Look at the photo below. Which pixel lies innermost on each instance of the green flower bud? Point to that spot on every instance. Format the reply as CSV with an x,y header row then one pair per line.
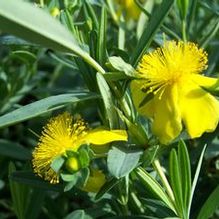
x,y
72,164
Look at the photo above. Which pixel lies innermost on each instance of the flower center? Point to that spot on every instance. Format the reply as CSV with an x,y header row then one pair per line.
x,y
172,64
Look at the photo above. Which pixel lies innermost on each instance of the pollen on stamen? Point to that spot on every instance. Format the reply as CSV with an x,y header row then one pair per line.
x,y
171,64
60,134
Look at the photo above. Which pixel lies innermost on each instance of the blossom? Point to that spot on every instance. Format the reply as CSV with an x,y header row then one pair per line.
x,y
172,91
130,8
64,133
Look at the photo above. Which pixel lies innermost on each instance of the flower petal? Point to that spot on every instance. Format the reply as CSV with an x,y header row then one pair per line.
x,y
100,136
138,96
204,81
167,119
200,110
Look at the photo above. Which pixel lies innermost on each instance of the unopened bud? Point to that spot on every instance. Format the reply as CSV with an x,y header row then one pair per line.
x,y
72,164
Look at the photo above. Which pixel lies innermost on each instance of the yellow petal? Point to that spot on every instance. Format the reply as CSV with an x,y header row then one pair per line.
x,y
200,110
204,81
138,96
95,181
167,119
100,136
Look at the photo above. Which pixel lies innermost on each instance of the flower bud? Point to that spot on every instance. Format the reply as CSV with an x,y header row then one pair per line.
x,y
72,164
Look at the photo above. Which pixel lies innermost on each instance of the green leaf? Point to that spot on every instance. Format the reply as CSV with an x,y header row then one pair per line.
x,y
151,184
183,7
154,23
210,34
149,155
195,180
70,184
121,162
175,180
15,19
83,157
118,64
106,187
157,207
92,14
136,131
57,163
14,41
101,46
14,150
105,91
68,177
27,177
115,76
19,193
210,206
185,170
83,176
24,56
133,217
78,214
191,15
43,106
36,203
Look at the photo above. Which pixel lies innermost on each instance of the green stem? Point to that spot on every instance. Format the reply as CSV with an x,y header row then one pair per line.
x,y
170,32
184,30
41,3
158,168
121,35
136,202
87,58
94,64
112,11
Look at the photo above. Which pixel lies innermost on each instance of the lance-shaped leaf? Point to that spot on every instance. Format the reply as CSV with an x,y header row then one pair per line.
x,y
43,106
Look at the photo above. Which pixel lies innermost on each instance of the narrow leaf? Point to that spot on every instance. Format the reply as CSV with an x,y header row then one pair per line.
x,y
25,20
147,36
175,179
185,170
14,150
108,101
151,184
15,19
101,50
195,180
106,187
19,193
210,206
43,106
35,204
27,177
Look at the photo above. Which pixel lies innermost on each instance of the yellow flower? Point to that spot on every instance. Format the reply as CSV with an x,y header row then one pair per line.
x,y
63,134
171,81
130,8
95,181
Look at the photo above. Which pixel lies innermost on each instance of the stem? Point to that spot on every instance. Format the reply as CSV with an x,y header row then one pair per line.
x,y
42,3
163,178
87,58
136,202
184,30
112,11
121,35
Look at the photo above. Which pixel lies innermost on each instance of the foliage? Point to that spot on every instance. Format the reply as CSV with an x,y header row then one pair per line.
x,y
81,56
